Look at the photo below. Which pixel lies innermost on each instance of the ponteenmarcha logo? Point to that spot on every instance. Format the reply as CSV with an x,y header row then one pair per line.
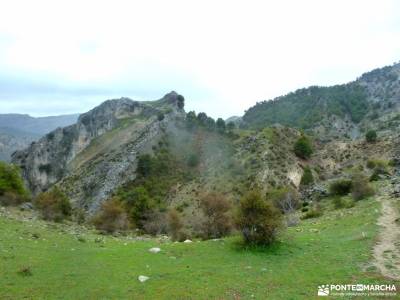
x,y
357,289
323,290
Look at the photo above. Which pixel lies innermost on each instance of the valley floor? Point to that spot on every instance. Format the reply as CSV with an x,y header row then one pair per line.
x,y
69,262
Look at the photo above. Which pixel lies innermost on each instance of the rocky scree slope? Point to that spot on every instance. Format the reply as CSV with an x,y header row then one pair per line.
x,y
93,157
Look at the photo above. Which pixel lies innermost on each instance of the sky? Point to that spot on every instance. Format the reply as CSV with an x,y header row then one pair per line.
x,y
61,57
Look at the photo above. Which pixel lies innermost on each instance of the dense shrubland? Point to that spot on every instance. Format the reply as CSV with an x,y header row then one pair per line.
x,y
306,107
358,185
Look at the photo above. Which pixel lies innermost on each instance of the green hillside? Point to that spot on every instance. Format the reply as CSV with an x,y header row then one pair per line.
x,y
306,107
58,261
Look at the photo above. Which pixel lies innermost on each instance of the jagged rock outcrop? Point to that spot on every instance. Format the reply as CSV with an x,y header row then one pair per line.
x,y
93,157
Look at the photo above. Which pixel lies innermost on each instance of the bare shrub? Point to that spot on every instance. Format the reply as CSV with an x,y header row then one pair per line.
x,y
287,200
156,223
217,221
175,225
314,212
361,188
53,205
112,217
11,199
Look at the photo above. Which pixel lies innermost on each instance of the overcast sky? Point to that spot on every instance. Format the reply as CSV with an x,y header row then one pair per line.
x,y
59,57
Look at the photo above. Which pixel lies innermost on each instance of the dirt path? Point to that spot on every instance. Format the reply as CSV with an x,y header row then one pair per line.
x,y
387,250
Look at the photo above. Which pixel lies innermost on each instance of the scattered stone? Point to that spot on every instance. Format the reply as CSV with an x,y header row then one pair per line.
x,y
143,278
26,206
188,241
154,250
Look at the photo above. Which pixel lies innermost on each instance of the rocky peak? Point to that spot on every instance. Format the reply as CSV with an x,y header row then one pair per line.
x,y
110,126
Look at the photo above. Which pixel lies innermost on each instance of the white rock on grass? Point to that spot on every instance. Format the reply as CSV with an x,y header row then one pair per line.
x,y
143,278
155,250
188,241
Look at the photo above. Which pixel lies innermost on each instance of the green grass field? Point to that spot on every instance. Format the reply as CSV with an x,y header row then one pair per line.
x,y
330,249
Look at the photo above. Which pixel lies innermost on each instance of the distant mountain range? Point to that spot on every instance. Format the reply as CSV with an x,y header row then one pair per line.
x,y
17,131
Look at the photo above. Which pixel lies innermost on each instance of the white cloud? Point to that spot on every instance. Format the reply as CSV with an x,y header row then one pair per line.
x,y
222,55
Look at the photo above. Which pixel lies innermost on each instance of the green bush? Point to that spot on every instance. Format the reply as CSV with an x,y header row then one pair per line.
x,y
315,212
53,205
11,181
258,220
338,202
377,163
193,160
160,116
139,203
145,165
307,177
340,187
303,148
371,136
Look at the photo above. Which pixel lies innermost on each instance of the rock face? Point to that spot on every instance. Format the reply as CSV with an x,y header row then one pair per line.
x,y
93,157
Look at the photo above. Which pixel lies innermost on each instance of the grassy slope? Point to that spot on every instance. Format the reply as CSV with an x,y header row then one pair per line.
x,y
320,251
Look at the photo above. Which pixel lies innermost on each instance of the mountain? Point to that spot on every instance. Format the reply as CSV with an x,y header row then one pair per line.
x,y
38,126
95,156
104,153
18,131
333,111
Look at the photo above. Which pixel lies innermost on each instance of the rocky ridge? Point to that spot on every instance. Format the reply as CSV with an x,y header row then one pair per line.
x,y
98,153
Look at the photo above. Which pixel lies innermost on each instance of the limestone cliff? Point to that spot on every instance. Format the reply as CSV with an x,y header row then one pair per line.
x,y
93,157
